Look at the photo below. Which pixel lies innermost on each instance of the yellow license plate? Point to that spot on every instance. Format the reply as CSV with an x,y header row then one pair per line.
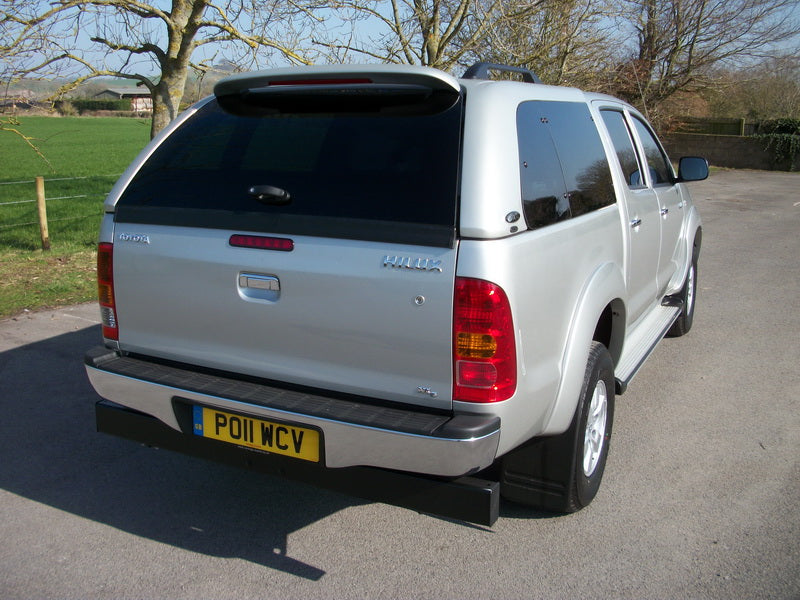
x,y
278,438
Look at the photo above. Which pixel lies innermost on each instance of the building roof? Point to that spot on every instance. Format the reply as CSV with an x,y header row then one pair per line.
x,y
125,92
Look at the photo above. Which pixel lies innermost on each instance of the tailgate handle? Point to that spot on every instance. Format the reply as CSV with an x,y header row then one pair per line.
x,y
259,282
254,287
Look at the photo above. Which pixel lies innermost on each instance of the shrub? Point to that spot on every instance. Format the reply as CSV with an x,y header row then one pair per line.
x,y
780,127
82,106
65,108
782,136
94,105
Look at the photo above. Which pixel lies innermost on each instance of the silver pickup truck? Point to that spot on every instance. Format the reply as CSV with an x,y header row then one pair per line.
x,y
385,280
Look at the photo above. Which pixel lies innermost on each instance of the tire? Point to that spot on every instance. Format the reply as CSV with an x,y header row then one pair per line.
x,y
688,295
594,418
563,473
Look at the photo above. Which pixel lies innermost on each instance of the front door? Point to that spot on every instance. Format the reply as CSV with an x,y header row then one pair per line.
x,y
643,218
670,203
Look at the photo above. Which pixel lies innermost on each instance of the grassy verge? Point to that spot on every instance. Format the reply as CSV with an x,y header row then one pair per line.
x,y
84,157
37,280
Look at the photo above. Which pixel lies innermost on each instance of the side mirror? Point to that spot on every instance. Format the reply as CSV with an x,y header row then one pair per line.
x,y
692,168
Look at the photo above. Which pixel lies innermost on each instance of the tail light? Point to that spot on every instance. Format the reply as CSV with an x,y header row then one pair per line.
x,y
484,351
105,290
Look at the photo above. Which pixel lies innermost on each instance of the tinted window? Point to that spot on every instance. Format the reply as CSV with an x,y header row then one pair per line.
x,y
657,163
543,188
623,146
563,167
382,177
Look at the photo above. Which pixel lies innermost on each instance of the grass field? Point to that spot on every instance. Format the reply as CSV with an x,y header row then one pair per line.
x,y
85,155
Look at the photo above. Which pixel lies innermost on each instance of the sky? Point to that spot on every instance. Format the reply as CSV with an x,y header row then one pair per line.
x,y
78,35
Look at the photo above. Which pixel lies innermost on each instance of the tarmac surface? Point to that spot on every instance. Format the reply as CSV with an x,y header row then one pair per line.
x,y
701,495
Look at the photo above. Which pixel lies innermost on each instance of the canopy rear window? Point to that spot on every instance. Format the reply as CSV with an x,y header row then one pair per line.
x,y
378,175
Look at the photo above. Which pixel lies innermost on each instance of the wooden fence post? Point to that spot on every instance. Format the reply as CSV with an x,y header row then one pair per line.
x,y
40,202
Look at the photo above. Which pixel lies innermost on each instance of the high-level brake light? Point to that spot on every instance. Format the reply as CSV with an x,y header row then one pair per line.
x,y
261,242
345,81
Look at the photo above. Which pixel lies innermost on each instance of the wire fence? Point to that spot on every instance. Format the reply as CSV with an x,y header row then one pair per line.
x,y
20,197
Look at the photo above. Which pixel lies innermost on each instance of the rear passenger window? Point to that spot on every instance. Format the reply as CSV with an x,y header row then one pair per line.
x,y
623,146
563,168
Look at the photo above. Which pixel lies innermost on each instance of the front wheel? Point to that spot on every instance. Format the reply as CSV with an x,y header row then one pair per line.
x,y
689,296
562,473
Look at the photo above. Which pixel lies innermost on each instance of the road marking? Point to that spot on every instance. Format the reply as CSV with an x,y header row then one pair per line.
x,y
94,321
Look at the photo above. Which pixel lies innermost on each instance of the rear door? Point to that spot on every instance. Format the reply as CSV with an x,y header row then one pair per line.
x,y
305,236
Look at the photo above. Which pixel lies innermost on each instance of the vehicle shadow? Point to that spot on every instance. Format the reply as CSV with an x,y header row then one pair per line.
x,y
52,454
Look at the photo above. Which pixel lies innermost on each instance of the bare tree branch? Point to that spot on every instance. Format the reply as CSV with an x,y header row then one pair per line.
x,y
122,30
682,42
11,125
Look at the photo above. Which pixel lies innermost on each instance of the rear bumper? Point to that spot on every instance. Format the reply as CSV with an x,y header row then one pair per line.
x,y
466,498
355,434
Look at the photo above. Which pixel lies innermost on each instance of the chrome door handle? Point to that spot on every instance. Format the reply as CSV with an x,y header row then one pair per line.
x,y
635,223
664,212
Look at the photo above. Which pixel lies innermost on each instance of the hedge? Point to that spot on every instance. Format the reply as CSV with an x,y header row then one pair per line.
x,y
83,106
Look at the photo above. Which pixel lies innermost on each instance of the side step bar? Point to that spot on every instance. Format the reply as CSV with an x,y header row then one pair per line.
x,y
466,499
644,340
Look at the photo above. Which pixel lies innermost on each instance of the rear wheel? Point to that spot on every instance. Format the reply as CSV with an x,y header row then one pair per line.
x,y
563,473
596,412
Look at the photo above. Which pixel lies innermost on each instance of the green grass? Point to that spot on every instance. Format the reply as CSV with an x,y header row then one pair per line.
x,y
74,146
85,155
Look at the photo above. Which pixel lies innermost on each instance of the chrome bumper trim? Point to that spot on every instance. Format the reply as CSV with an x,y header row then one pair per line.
x,y
346,444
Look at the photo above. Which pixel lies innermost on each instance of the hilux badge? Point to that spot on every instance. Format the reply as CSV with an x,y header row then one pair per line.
x,y
408,262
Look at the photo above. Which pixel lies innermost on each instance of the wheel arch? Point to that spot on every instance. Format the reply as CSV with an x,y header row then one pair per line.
x,y
693,241
610,329
697,241
599,315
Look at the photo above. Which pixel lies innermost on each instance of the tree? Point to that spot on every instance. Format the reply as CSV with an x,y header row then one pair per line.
x,y
149,43
9,124
680,43
563,41
434,33
766,90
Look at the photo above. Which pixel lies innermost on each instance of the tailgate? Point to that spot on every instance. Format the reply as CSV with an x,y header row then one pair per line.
x,y
301,230
354,316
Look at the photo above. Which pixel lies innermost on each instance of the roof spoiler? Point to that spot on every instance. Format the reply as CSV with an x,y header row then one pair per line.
x,y
390,75
339,89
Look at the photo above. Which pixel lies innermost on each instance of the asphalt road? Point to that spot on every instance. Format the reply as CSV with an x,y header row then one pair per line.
x,y
701,496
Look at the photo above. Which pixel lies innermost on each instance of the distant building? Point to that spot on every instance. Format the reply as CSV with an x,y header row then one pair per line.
x,y
140,100
21,99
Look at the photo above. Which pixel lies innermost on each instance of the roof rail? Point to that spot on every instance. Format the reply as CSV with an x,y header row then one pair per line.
x,y
480,70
